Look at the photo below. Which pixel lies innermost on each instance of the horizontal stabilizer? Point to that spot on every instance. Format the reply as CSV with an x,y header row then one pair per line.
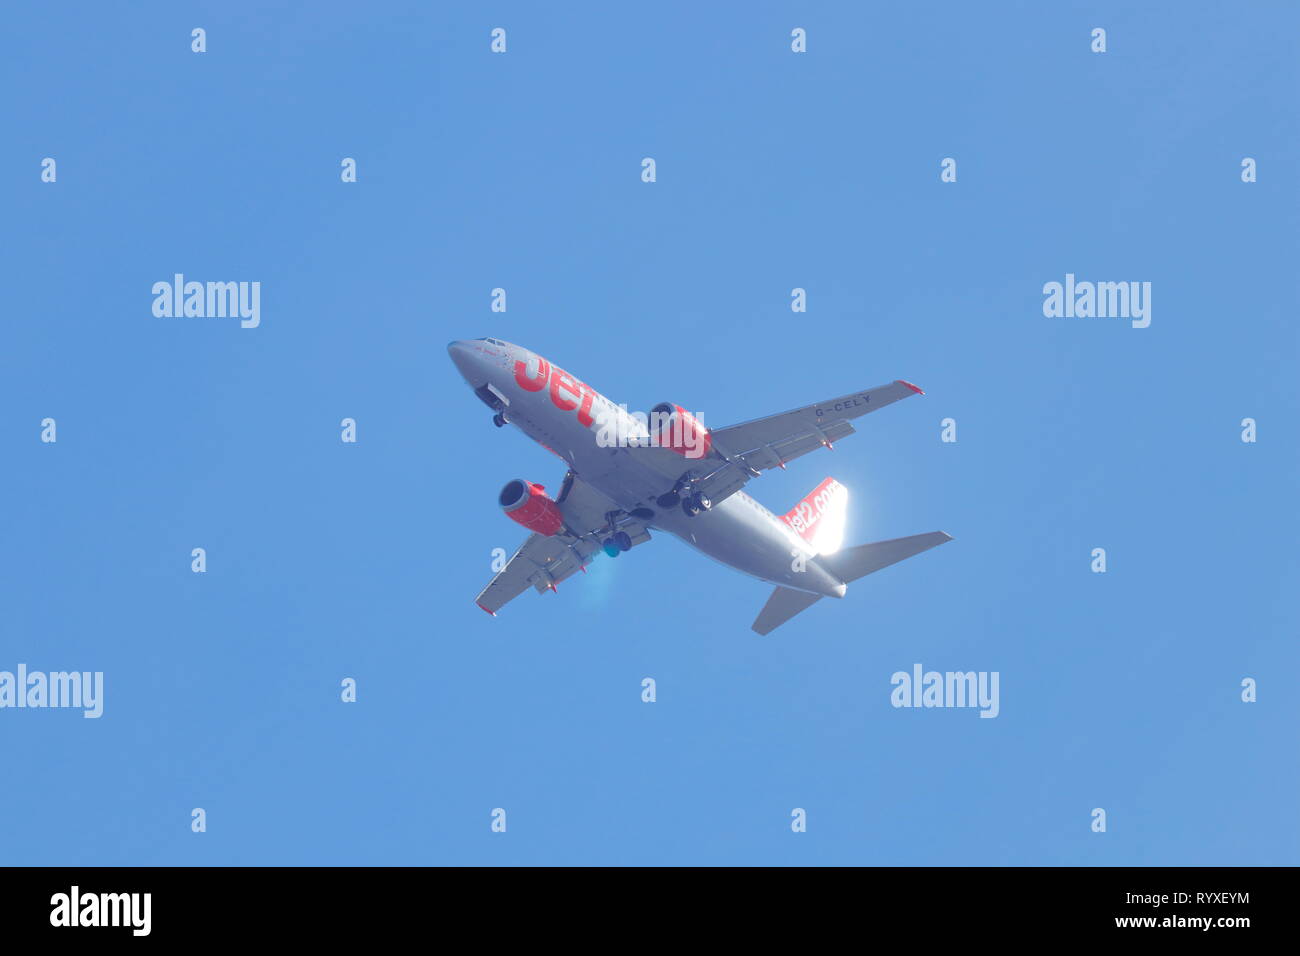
x,y
784,604
853,563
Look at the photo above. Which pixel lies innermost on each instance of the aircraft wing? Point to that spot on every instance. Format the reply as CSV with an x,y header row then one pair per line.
x,y
768,442
542,562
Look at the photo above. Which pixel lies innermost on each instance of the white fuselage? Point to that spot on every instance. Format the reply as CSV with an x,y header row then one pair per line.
x,y
566,416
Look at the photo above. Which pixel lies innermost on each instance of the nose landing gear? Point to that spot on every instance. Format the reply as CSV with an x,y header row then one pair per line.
x,y
499,420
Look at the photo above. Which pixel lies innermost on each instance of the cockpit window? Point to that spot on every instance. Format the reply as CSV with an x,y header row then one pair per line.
x,y
492,341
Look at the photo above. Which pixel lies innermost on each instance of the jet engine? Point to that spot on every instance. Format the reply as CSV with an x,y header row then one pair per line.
x,y
529,505
674,427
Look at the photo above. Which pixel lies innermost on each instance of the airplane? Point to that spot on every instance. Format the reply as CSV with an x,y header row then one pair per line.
x,y
629,474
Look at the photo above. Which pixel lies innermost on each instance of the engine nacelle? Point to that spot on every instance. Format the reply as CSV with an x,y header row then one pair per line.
x,y
529,505
674,427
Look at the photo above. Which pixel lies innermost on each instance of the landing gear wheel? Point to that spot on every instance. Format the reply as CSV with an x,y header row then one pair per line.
x,y
622,541
499,420
611,548
696,504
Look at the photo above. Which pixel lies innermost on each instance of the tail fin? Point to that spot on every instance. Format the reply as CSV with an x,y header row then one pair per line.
x,y
819,518
784,604
853,563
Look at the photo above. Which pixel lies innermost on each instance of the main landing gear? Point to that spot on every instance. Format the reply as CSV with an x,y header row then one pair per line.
x,y
696,504
693,503
617,543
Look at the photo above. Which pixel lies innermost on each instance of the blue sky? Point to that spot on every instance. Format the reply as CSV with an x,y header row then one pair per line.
x,y
775,170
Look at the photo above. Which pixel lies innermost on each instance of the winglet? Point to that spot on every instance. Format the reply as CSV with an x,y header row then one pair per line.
x,y
909,385
493,613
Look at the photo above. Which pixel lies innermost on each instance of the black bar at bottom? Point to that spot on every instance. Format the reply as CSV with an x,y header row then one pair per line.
x,y
376,904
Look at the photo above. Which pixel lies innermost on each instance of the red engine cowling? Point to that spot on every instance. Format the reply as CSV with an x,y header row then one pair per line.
x,y
529,505
676,428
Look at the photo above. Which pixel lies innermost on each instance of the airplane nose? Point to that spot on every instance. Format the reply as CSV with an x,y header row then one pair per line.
x,y
462,356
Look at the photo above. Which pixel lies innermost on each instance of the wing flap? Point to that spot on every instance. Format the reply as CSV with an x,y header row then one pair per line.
x,y
776,454
772,441
540,563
